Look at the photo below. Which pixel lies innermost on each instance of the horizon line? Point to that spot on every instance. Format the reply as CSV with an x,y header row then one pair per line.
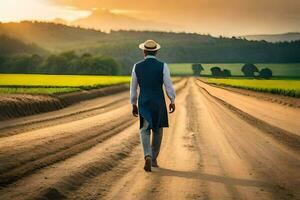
x,y
146,30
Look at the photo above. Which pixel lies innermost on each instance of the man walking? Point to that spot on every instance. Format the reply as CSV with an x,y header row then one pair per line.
x,y
149,75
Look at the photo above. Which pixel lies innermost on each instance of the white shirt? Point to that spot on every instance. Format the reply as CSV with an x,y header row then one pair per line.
x,y
167,83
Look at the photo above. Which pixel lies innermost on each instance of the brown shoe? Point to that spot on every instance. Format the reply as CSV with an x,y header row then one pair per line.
x,y
147,166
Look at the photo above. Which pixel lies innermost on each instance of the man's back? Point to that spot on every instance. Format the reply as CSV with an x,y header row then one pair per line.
x,y
149,74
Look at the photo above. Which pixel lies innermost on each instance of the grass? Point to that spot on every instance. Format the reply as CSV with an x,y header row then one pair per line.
x,y
279,70
60,80
283,87
53,84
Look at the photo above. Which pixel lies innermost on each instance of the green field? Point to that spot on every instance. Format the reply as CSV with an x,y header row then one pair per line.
x,y
53,84
279,70
283,87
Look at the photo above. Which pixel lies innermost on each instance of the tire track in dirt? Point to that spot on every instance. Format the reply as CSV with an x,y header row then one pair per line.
x,y
218,154
273,98
56,181
283,136
99,187
268,112
126,173
36,149
30,163
231,166
178,161
13,129
212,178
75,112
187,159
203,157
75,150
268,165
20,105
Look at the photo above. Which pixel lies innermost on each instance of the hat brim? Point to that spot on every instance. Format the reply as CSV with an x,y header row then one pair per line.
x,y
142,46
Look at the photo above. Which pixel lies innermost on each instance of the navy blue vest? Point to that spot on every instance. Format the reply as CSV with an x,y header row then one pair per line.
x,y
151,102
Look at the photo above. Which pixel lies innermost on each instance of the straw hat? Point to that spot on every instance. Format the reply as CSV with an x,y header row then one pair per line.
x,y
149,45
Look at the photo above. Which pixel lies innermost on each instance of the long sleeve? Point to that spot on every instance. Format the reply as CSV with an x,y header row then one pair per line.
x,y
133,87
168,84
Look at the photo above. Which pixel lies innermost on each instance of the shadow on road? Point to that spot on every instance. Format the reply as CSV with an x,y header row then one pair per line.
x,y
210,177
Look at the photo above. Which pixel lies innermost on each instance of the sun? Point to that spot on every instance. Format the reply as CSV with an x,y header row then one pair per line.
x,y
16,10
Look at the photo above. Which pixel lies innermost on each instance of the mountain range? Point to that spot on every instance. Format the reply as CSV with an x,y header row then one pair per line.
x,y
106,20
275,37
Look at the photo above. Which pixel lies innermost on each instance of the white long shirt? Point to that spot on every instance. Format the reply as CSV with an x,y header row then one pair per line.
x,y
166,79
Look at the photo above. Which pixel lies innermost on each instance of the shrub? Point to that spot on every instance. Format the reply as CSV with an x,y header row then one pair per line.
x,y
197,68
249,70
266,73
216,71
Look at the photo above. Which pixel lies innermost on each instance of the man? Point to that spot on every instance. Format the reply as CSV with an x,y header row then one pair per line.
x,y
149,75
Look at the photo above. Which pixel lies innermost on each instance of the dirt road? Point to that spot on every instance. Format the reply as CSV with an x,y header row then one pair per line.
x,y
92,151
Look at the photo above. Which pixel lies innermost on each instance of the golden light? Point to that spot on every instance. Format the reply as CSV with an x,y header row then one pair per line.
x,y
16,10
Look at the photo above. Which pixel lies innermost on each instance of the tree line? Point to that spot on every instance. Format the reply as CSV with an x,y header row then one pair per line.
x,y
187,48
249,70
123,45
43,38
63,63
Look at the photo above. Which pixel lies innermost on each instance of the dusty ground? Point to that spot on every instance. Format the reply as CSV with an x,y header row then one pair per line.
x,y
92,151
20,105
275,98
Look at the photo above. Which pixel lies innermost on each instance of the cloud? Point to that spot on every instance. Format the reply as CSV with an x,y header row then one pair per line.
x,y
15,10
106,20
207,16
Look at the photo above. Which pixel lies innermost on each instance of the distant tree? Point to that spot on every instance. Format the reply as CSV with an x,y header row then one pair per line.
x,y
266,73
197,68
86,55
98,65
216,71
56,64
64,63
249,70
114,68
2,60
36,61
226,73
3,68
21,64
70,55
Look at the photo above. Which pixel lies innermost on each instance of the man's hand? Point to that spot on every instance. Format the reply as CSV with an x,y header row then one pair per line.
x,y
135,111
172,107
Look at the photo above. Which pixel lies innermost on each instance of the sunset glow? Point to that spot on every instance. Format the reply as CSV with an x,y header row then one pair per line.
x,y
15,10
216,17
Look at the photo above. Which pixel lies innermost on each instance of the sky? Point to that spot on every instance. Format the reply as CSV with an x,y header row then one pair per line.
x,y
215,17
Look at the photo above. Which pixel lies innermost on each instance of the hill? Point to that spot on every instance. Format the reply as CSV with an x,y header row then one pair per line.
x,y
105,20
54,37
275,37
176,47
10,46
